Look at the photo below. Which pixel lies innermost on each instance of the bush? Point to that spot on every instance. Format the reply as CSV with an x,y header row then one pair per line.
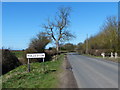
x,y
68,47
9,61
37,45
118,51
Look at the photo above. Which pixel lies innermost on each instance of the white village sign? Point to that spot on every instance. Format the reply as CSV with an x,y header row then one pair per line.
x,y
34,55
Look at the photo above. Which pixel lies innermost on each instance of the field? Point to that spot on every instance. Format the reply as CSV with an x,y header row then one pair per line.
x,y
40,76
18,54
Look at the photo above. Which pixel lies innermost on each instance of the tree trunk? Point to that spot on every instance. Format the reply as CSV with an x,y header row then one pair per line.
x,y
57,48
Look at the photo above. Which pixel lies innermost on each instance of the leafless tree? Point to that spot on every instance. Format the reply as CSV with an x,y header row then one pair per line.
x,y
58,27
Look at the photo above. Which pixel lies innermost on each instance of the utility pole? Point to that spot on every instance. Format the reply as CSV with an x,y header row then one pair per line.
x,y
118,29
87,45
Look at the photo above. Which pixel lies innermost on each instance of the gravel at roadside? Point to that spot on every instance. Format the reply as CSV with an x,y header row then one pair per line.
x,y
67,79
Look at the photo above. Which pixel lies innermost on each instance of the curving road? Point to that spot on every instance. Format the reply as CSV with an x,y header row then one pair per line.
x,y
92,72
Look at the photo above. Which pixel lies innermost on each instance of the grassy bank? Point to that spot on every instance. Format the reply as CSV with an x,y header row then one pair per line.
x,y
106,58
37,78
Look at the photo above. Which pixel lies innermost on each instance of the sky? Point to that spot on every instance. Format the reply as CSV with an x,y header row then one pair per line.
x,y
21,21
60,0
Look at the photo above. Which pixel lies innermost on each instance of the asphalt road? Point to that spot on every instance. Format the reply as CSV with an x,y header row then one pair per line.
x,y
93,73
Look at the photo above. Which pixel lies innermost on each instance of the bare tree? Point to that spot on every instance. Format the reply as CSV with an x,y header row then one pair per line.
x,y
58,27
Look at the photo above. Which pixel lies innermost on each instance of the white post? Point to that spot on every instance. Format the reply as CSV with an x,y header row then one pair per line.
x,y
28,65
115,55
103,54
111,55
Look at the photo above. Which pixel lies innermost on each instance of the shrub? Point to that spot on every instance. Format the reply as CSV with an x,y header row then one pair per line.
x,y
9,61
37,45
51,52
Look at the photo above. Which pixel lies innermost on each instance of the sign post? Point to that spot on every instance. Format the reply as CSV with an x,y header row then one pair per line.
x,y
43,65
28,65
34,55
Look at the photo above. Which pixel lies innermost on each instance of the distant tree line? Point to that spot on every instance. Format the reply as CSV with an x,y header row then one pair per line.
x,y
107,40
68,47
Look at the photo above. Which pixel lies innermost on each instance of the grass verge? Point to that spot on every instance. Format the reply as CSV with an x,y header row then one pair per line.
x,y
36,78
106,58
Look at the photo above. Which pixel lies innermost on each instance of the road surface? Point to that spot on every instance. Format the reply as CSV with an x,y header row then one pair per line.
x,y
92,72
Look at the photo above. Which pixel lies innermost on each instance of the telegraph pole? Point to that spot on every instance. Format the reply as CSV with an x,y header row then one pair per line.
x,y
87,45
